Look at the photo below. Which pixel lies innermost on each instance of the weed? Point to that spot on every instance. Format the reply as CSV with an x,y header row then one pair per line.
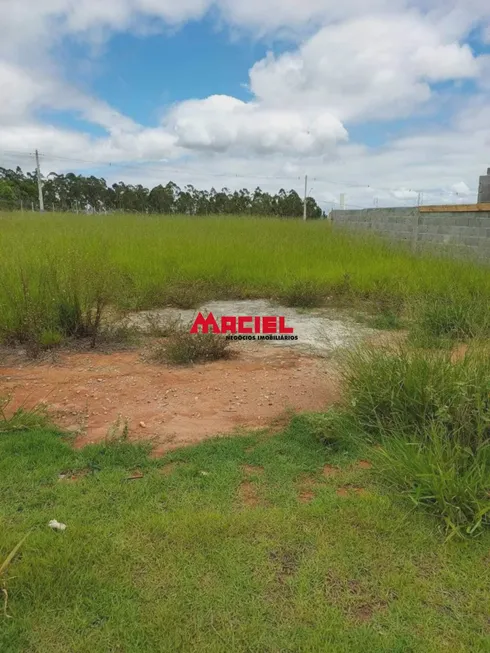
x,y
432,416
50,339
303,294
409,390
440,474
185,295
3,568
23,419
454,317
334,428
386,321
185,348
118,333
159,327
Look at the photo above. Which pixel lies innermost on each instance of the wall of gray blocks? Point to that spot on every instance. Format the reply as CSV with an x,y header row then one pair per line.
x,y
458,232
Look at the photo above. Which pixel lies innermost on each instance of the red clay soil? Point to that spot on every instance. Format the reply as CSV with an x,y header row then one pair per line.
x,y
172,407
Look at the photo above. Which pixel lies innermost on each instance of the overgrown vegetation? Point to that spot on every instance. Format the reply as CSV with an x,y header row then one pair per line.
x,y
45,300
431,416
252,543
60,273
444,319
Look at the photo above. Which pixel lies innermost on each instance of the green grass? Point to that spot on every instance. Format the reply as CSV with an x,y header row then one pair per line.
x,y
431,414
459,316
56,270
178,562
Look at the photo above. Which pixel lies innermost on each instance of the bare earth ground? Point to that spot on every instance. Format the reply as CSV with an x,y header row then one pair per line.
x,y
88,392
95,394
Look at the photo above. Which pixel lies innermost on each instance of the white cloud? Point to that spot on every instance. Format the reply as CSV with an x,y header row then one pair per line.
x,y
221,123
461,188
366,68
356,61
20,92
140,145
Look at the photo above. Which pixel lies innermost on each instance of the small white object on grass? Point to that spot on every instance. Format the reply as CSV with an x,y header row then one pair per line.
x,y
56,526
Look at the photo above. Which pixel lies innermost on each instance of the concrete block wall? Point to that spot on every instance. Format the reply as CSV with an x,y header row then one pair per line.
x,y
468,232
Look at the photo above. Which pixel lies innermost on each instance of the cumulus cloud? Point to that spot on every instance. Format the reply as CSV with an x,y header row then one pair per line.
x,y
366,68
221,123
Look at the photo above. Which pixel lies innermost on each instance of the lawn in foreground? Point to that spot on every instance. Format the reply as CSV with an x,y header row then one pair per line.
x,y
255,543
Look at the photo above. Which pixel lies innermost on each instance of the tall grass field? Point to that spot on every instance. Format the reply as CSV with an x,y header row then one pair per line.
x,y
57,270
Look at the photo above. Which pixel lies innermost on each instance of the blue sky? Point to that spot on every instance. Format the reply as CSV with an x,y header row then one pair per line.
x,y
208,90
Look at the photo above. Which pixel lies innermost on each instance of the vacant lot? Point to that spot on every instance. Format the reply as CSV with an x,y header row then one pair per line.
x,y
358,525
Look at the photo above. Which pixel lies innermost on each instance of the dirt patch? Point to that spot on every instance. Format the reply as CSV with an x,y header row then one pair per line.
x,y
307,488
317,330
135,476
282,421
329,470
88,393
458,353
362,613
248,495
356,600
306,496
364,464
342,492
252,470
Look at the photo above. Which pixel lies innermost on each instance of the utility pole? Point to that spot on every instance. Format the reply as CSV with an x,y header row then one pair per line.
x,y
39,184
305,214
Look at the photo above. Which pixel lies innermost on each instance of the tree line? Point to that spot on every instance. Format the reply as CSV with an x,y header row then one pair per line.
x,y
71,192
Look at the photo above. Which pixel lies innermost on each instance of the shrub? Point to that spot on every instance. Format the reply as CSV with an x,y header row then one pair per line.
x,y
184,294
65,292
160,327
185,348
